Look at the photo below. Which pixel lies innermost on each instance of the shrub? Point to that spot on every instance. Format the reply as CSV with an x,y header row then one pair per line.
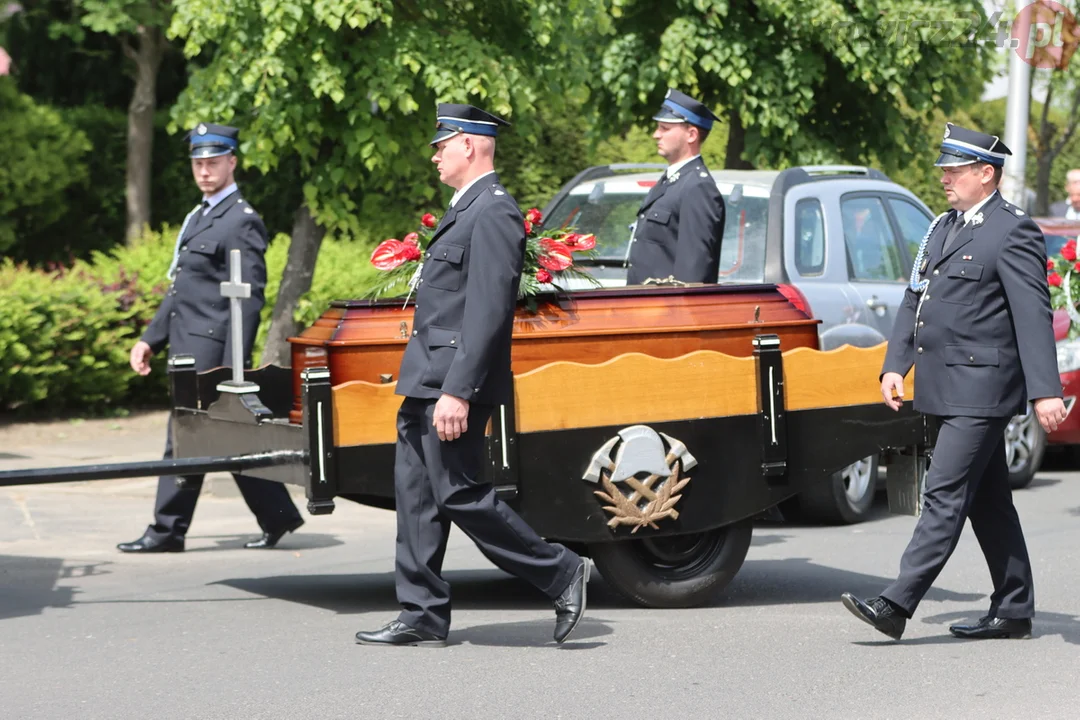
x,y
41,156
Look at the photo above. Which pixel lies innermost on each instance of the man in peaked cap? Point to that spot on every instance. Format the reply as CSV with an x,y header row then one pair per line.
x,y
455,371
193,319
680,224
976,325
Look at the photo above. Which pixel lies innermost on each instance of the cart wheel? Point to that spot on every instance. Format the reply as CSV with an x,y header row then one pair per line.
x,y
846,498
674,571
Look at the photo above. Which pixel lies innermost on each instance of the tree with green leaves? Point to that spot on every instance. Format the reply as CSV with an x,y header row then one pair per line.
x,y
349,88
798,80
139,27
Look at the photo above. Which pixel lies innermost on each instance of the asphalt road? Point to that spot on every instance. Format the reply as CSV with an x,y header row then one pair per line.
x,y
223,632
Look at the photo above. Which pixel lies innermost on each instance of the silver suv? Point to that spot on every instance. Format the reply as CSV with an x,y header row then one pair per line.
x,y
838,240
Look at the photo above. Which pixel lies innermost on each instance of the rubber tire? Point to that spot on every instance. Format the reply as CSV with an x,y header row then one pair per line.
x,y
828,502
1022,478
625,567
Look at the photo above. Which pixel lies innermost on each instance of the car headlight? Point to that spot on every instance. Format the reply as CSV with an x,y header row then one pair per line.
x,y
1068,355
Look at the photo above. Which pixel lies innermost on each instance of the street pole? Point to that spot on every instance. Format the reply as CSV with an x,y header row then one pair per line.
x,y
1016,116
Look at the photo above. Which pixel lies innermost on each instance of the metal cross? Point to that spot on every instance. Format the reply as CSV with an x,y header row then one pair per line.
x,y
236,291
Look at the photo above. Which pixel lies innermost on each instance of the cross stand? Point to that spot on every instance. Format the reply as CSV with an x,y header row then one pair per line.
x,y
239,401
236,290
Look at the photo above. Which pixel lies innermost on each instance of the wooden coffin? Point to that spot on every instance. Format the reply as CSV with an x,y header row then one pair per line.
x,y
364,340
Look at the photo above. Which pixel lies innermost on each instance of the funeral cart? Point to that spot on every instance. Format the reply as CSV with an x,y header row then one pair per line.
x,y
649,425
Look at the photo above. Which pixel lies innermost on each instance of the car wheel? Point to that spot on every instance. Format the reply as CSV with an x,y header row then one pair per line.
x,y
674,571
1025,445
846,498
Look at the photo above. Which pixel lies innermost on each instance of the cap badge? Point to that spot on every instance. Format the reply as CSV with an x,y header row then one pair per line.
x,y
946,129
201,129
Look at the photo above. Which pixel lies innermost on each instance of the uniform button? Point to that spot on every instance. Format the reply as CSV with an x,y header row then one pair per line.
x,y
962,272
971,358
476,389
937,272
211,332
920,351
921,323
453,342
927,296
172,314
415,331
184,249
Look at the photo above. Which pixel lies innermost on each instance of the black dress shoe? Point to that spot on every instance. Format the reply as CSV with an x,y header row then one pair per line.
x,y
989,628
398,633
148,544
270,539
878,612
570,605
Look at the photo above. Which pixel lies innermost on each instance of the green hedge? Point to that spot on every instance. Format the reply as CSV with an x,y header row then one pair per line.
x,y
65,334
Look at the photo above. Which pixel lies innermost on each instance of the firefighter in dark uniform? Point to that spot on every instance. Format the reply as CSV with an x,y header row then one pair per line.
x,y
976,324
455,370
680,224
193,319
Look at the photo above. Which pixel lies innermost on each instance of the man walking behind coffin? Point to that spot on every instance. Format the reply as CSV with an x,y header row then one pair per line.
x,y
680,224
193,319
976,324
456,368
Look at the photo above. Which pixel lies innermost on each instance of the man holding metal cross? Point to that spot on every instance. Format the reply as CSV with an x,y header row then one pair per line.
x,y
194,319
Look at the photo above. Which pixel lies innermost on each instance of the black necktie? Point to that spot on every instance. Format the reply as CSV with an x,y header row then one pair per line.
x,y
957,226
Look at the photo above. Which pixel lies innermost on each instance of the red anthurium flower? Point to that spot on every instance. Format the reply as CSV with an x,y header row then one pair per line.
x,y
528,227
581,243
412,237
1069,251
1049,265
556,256
1054,279
534,216
543,276
429,220
392,253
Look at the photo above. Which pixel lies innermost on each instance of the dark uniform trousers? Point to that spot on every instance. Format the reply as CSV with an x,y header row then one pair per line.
x,y
436,483
175,507
968,478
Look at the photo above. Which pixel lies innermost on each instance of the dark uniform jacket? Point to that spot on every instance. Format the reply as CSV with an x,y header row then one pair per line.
x,y
465,301
983,342
679,228
193,319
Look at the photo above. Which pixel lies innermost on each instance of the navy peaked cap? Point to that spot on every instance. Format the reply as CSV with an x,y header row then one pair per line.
x,y
679,107
209,140
962,146
452,119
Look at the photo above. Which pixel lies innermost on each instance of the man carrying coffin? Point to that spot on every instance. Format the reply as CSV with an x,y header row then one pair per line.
x,y
193,319
455,370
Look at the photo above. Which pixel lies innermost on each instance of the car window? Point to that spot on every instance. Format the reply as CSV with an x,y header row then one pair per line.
x,y
1054,243
809,237
913,222
873,254
608,215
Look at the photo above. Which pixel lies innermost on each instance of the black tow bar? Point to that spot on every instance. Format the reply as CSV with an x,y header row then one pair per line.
x,y
150,468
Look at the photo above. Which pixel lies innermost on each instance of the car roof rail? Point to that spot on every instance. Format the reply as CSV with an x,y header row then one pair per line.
x,y
800,174
591,173
817,170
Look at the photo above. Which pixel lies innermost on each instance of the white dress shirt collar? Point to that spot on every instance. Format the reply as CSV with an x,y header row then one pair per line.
x,y
459,193
217,197
676,167
975,210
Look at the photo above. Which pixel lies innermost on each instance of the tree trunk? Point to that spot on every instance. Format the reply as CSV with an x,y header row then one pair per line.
x,y
736,144
146,55
1045,161
307,237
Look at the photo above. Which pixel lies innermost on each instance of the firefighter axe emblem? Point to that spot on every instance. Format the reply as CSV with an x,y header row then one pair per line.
x,y
639,462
